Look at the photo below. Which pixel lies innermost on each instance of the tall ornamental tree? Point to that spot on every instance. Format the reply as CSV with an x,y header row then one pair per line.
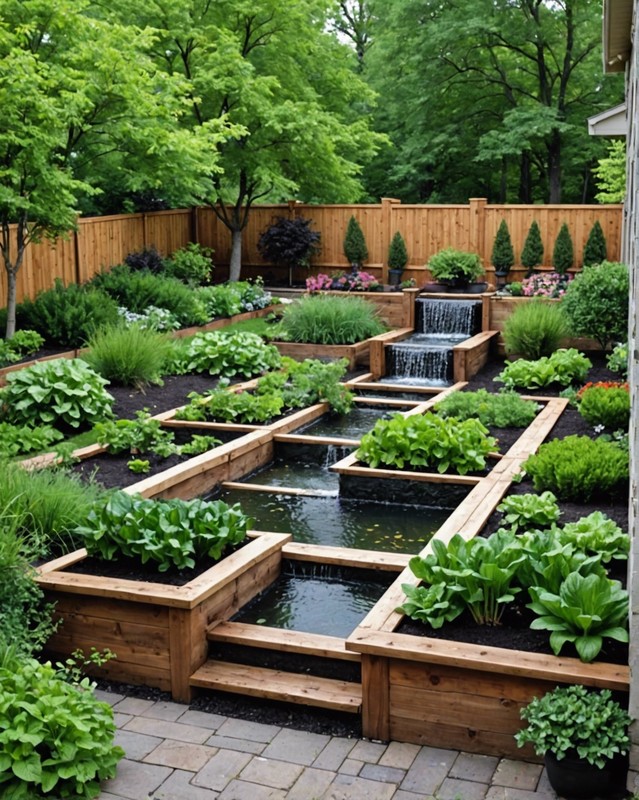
x,y
273,71
75,88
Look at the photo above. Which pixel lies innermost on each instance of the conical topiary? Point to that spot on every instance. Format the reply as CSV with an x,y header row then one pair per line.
x,y
397,253
563,253
355,244
503,256
533,253
595,250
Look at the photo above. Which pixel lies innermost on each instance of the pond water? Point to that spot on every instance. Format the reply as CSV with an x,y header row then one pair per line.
x,y
347,426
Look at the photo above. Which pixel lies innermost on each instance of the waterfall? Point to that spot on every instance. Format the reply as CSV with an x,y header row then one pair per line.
x,y
444,317
335,453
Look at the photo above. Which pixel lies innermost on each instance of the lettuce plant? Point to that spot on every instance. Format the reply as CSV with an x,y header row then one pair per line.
x,y
229,354
17,440
525,511
597,534
563,367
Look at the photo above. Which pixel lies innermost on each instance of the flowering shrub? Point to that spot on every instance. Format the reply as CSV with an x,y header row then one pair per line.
x,y
545,284
354,281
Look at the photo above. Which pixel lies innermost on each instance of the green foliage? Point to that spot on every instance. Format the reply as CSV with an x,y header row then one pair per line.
x,y
73,668
525,511
135,436
578,468
355,248
169,533
191,264
595,250
611,174
535,329
434,604
397,253
19,440
199,444
139,466
617,360
427,441
65,393
23,343
456,266
597,534
573,718
586,610
66,316
596,302
228,299
129,356
503,255
229,354
56,739
563,367
494,409
147,259
532,253
289,242
330,319
608,406
563,252
515,288
221,405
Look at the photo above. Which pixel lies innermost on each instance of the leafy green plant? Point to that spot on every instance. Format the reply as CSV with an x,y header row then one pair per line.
x,y
65,393
503,255
221,300
578,468
586,609
525,511
199,444
597,534
66,316
573,718
494,409
533,251
221,405
427,441
141,435
23,343
139,465
563,252
56,739
229,354
355,248
434,604
191,264
535,329
456,266
617,360
129,356
18,440
397,253
595,250
170,533
606,405
596,303
73,668
330,319
562,367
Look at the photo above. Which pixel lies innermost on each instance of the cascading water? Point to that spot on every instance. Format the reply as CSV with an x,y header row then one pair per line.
x,y
426,357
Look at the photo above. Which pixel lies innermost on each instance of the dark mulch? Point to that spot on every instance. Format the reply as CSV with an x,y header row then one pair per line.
x,y
173,394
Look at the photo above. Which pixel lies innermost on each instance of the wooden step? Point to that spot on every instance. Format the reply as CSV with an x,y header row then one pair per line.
x,y
286,641
289,687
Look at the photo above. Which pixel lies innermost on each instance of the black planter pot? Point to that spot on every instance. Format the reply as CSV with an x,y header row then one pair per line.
x,y
574,777
394,276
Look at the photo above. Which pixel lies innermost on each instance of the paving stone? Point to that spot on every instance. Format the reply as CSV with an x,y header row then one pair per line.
x,y
370,752
333,755
168,730
132,705
269,772
121,719
351,767
399,754
383,774
402,795
453,789
245,729
428,770
166,711
202,719
298,747
136,781
136,745
544,784
178,786
108,796
224,767
517,774
181,755
108,697
312,783
349,787
243,745
473,767
243,790
507,793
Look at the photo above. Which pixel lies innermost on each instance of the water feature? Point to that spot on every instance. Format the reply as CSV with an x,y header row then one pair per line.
x,y
353,425
426,357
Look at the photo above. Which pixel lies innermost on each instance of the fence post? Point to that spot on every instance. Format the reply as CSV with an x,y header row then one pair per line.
x,y
386,232
478,227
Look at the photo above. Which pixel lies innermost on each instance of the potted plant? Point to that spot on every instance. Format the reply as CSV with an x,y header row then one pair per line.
x,y
583,736
289,242
503,256
457,269
397,259
355,248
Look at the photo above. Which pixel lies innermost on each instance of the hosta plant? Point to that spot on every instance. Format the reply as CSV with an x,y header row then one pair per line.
x,y
65,393
524,511
597,534
229,354
494,409
427,441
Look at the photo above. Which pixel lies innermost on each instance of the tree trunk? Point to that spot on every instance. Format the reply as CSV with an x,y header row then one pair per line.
x,y
12,280
554,168
235,266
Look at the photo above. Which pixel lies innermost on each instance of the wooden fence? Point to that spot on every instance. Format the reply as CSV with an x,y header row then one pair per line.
x,y
101,242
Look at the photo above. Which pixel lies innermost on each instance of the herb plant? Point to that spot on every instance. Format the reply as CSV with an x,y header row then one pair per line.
x,y
525,511
563,367
494,409
427,441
